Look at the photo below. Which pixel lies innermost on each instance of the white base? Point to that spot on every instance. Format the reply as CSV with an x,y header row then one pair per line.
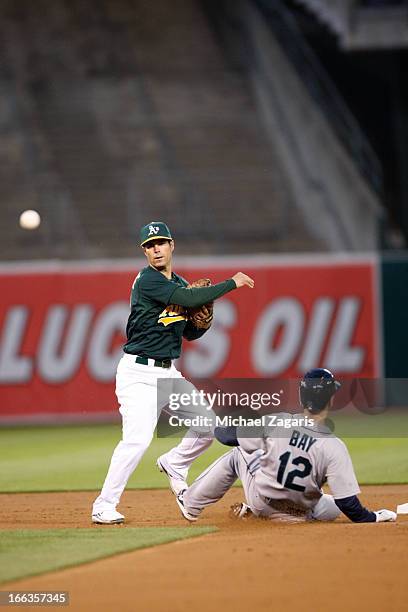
x,y
402,508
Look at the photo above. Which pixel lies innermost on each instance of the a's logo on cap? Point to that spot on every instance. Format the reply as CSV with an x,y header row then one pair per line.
x,y
153,229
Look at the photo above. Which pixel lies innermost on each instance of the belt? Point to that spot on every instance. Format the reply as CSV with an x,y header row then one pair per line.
x,y
165,363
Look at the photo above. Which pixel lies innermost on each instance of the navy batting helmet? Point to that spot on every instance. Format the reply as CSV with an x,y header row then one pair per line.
x,y
316,388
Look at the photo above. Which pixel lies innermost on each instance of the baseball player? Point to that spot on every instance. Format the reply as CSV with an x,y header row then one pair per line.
x,y
158,322
283,470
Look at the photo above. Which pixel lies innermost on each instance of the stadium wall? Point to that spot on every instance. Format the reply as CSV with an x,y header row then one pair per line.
x,y
62,326
394,275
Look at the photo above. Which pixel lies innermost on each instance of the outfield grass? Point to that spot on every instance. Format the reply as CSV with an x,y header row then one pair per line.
x,y
28,552
380,460
77,458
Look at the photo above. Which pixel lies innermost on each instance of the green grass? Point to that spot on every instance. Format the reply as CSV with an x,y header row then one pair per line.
x,y
77,458
28,552
379,460
389,424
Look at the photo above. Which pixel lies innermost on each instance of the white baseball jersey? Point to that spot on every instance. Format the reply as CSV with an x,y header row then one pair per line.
x,y
297,461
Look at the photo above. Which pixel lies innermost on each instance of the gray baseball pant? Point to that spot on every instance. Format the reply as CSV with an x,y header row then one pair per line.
x,y
219,477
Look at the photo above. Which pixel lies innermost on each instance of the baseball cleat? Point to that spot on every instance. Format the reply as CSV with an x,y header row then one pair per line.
x,y
240,511
184,511
177,483
108,517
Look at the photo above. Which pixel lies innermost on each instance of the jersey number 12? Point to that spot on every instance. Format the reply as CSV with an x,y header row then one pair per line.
x,y
296,473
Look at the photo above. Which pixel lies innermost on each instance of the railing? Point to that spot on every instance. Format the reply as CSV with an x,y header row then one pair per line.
x,y
322,89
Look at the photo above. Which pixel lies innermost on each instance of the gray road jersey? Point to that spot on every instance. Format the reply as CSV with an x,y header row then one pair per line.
x,y
297,461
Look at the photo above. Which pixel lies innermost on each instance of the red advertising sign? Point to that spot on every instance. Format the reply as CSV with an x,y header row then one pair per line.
x,y
61,330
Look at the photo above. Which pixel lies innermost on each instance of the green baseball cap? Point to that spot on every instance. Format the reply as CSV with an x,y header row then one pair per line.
x,y
153,230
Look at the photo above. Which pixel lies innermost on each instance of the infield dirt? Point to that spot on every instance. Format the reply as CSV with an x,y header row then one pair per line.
x,y
246,565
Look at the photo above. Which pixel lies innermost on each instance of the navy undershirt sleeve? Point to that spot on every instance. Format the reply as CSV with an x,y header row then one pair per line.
x,y
352,508
226,435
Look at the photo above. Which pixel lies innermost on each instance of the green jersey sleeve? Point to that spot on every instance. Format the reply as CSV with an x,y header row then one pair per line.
x,y
154,285
192,333
197,296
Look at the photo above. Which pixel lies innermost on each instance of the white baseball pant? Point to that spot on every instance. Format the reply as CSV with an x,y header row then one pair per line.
x,y
136,390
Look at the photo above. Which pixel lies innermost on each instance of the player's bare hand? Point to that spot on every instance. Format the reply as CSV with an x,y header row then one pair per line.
x,y
242,280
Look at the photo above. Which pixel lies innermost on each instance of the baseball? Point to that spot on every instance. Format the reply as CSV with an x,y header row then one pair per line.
x,y
30,219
